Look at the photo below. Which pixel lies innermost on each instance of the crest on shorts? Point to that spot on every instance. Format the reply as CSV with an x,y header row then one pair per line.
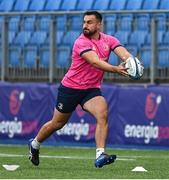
x,y
60,106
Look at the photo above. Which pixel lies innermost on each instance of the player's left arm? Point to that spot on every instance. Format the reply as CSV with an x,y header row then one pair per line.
x,y
122,53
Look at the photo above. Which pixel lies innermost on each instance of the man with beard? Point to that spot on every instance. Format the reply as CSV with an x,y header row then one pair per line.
x,y
81,85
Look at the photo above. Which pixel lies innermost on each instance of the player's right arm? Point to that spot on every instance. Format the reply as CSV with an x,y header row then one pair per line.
x,y
92,58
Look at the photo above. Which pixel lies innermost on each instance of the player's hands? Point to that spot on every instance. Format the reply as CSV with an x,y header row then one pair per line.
x,y
120,69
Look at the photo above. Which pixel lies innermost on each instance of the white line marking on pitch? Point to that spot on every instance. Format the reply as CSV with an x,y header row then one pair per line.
x,y
62,157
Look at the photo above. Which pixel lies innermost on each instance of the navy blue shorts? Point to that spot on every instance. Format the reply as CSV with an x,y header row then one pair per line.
x,y
69,98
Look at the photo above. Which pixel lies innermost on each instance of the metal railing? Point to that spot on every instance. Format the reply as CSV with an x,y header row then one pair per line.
x,y
55,69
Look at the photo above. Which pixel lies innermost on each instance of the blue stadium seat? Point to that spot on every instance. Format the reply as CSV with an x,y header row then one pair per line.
x,y
123,36
147,4
125,22
164,4
101,5
30,56
38,38
76,23
166,38
70,37
37,5
59,37
11,36
6,5
52,5
84,6
110,23
1,22
44,23
14,23
44,56
113,59
68,5
21,5
133,4
63,57
161,21
160,37
143,22
29,23
120,5
22,38
132,49
14,56
137,38
163,57
110,33
145,56
61,23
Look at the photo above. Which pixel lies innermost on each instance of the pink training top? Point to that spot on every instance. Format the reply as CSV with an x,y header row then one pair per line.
x,y
81,74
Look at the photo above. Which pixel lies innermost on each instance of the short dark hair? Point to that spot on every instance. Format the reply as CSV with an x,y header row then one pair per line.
x,y
95,13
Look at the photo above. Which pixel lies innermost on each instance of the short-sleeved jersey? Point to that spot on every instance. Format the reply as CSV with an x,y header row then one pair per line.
x,y
81,74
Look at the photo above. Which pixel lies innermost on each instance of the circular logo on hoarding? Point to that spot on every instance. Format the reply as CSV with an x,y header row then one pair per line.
x,y
152,104
15,101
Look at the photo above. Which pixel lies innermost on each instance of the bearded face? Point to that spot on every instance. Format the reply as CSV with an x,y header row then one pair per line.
x,y
91,25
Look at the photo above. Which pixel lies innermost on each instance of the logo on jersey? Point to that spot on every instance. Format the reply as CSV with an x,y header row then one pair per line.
x,y
106,47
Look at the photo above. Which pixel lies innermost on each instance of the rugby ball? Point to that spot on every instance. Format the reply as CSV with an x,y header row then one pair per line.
x,y
134,68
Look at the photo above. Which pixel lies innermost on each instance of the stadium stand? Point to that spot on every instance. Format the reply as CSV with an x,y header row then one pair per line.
x,y
160,38
143,22
6,5
11,36
123,36
164,4
63,56
61,23
22,38
14,56
113,59
44,23
163,57
117,6
70,37
30,56
137,38
29,23
14,23
84,6
125,22
52,5
68,5
145,54
101,5
110,23
161,22
44,56
21,5
37,5
29,36
75,23
147,4
38,38
166,38
136,5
